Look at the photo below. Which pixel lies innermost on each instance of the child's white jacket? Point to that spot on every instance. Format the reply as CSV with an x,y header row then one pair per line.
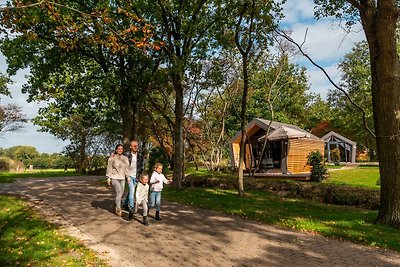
x,y
158,187
142,192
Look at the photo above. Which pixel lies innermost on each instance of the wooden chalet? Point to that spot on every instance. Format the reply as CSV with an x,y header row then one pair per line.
x,y
274,148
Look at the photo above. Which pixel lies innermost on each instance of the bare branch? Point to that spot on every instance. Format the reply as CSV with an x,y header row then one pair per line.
x,y
284,35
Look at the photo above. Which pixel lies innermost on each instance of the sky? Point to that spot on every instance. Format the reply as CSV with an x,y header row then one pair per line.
x,y
326,43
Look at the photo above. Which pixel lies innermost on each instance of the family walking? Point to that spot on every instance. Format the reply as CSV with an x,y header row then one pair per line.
x,y
128,167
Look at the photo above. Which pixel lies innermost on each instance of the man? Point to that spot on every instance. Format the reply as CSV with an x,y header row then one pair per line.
x,y
136,164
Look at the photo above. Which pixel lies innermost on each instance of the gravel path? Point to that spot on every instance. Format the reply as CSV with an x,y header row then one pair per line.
x,y
186,236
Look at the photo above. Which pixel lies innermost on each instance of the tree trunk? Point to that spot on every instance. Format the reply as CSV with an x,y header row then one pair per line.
x,y
380,29
243,126
127,122
178,171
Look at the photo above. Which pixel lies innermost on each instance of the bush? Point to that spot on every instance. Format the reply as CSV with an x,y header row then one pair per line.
x,y
157,154
4,164
7,164
337,195
318,170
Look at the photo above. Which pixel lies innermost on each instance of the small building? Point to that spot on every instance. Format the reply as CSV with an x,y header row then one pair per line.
x,y
274,147
346,147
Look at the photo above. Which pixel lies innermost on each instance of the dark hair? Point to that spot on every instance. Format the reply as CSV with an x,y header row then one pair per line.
x,y
116,147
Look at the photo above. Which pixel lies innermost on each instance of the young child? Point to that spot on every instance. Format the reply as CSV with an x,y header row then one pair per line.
x,y
157,182
142,194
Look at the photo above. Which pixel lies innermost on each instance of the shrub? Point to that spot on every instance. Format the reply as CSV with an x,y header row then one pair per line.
x,y
157,154
318,170
4,164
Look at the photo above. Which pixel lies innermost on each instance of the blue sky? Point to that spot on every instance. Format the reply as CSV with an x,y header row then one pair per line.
x,y
326,43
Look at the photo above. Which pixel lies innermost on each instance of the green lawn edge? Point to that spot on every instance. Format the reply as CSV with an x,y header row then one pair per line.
x,y
341,222
28,240
9,177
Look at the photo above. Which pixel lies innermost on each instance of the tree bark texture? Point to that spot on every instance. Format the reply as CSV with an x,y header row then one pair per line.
x,y
178,170
379,23
243,125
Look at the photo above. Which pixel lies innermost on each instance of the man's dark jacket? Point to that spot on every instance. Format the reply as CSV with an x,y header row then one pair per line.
x,y
139,163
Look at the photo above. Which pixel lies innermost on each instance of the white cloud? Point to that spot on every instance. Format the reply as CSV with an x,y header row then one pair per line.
x,y
296,11
326,42
319,83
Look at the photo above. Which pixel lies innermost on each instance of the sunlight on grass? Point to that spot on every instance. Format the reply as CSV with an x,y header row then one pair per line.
x,y
329,220
9,177
27,240
361,176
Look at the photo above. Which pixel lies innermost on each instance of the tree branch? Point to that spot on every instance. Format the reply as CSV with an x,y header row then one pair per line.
x,y
284,35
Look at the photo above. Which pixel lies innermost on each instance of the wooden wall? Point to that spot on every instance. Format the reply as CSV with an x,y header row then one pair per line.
x,y
298,150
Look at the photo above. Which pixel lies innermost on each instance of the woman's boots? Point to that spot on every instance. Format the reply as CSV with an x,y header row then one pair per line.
x,y
118,212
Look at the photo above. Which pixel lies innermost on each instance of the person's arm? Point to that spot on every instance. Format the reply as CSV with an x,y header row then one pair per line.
x,y
127,171
109,170
165,180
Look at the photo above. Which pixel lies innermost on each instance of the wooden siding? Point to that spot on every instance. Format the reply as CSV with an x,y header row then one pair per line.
x,y
298,150
235,150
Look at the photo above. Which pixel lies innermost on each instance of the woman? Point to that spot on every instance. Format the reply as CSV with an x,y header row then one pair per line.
x,y
117,172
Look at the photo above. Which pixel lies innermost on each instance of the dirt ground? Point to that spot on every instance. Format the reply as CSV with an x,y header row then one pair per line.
x,y
186,236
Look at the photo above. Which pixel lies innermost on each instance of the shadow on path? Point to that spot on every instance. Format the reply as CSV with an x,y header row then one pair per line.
x,y
188,236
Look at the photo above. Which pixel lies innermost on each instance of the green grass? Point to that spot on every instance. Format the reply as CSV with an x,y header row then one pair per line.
x,y
9,177
360,176
333,166
27,240
329,220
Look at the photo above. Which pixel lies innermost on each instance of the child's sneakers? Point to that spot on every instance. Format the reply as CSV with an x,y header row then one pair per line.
x,y
145,222
157,216
130,214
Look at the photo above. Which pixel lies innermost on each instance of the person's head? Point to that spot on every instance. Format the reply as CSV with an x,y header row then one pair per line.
x,y
134,146
119,149
158,167
144,179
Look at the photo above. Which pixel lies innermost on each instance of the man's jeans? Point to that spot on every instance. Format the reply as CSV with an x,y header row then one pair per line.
x,y
155,197
131,192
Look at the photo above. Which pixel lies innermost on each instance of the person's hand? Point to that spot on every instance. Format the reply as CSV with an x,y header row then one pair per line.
x,y
128,179
170,180
109,182
156,182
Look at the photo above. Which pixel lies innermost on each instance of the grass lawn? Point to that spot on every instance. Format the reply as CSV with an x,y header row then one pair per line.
x,y
360,176
9,177
333,166
27,240
329,220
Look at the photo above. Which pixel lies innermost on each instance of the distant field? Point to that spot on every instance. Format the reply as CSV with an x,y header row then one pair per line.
x,y
364,176
8,177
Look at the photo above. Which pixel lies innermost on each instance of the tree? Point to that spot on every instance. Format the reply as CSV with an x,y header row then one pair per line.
x,y
210,137
356,79
249,30
184,28
4,80
11,118
379,21
26,154
105,32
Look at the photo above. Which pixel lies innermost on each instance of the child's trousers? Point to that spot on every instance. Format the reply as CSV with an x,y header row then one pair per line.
x,y
155,198
144,206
